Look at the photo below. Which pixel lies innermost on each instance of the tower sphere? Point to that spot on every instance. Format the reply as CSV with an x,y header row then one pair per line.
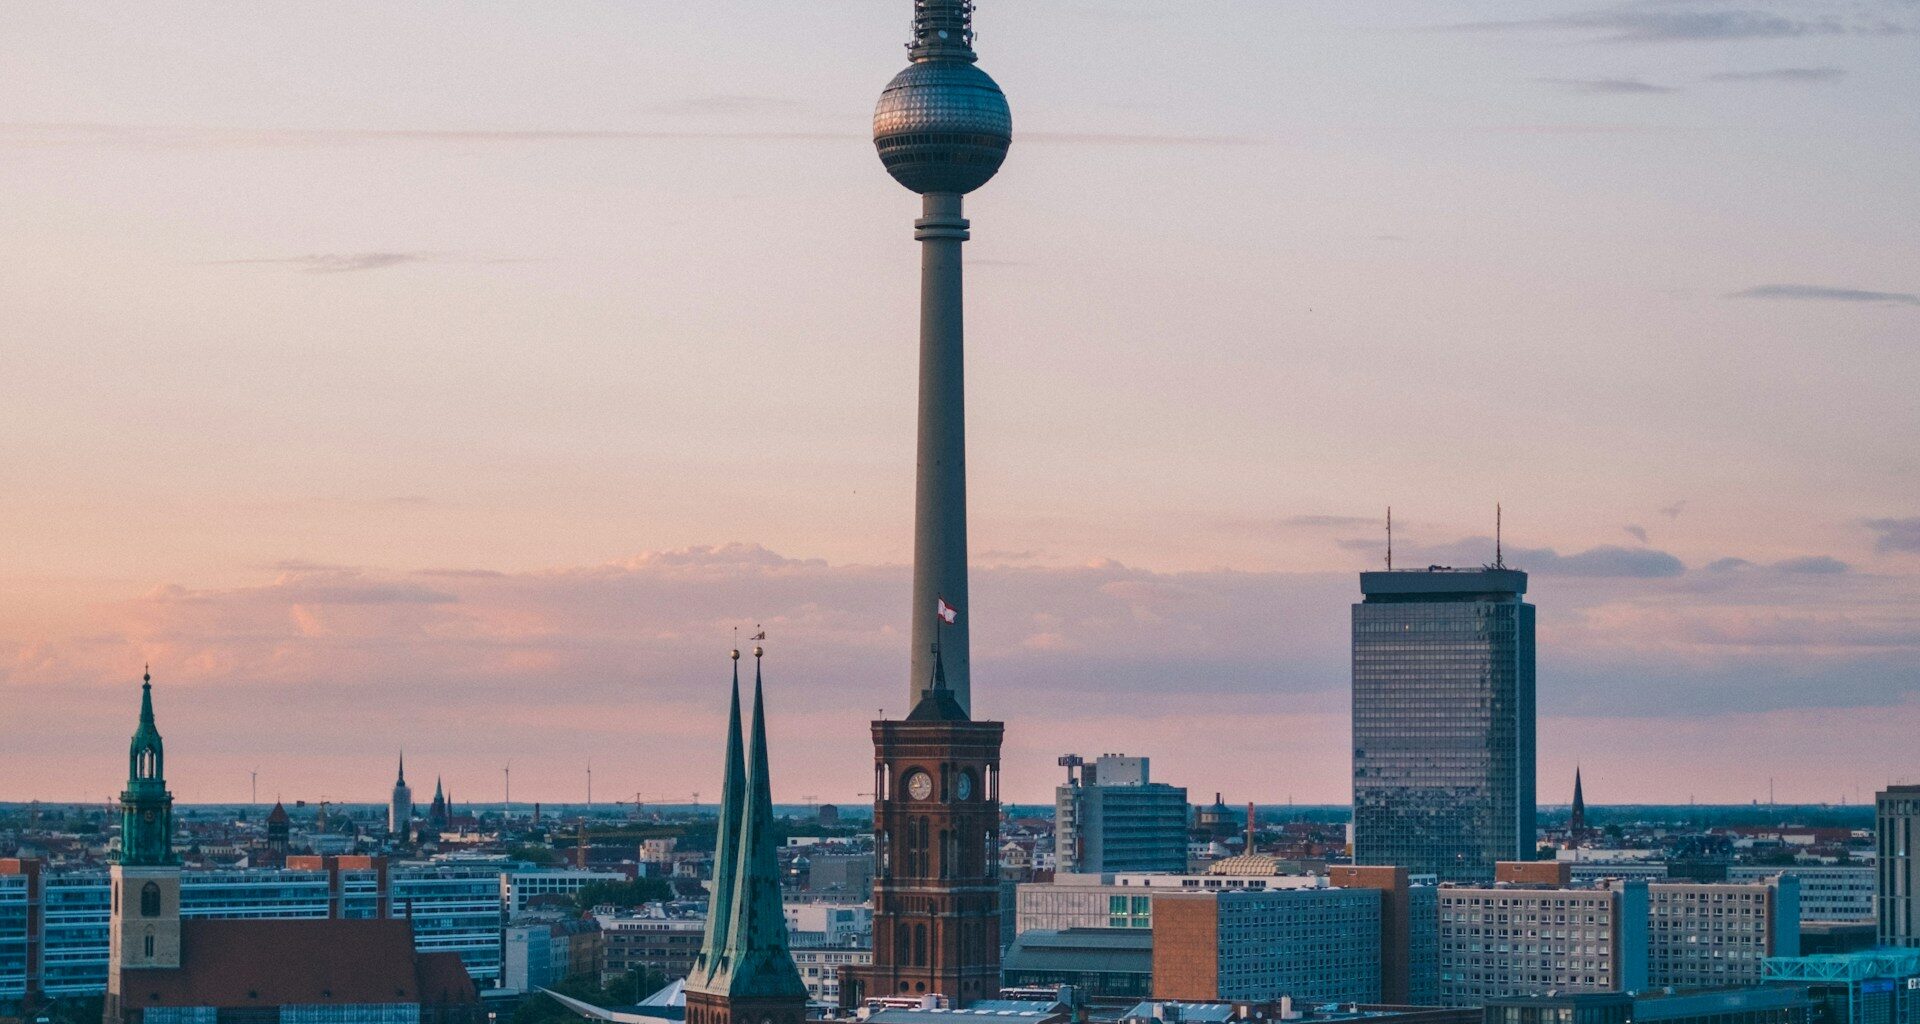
x,y
942,126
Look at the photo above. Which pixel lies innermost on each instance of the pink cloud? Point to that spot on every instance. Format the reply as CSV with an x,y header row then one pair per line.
x,y
322,672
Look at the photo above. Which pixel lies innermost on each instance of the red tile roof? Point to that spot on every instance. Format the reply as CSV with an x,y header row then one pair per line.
x,y
231,964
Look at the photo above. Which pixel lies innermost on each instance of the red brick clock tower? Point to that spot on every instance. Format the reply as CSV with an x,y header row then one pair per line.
x,y
936,889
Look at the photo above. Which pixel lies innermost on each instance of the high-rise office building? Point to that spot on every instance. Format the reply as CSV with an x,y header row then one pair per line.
x,y
1897,809
1110,816
1443,716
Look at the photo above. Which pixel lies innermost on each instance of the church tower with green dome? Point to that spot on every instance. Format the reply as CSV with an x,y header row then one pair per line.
x,y
145,932
146,808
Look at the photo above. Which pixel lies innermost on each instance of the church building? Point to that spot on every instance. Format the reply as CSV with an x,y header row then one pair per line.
x,y
165,970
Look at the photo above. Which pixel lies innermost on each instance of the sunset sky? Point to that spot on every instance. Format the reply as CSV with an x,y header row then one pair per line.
x,y
457,377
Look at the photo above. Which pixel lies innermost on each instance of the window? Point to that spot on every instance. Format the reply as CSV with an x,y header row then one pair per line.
x,y
150,905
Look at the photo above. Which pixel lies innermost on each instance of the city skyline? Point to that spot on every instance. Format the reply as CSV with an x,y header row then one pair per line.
x,y
357,469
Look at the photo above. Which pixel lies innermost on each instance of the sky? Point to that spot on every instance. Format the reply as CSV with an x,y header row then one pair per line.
x,y
457,377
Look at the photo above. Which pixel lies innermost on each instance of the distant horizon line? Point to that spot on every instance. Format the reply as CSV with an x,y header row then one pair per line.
x,y
575,805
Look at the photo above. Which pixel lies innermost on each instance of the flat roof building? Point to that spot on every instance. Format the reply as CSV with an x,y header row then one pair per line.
x,y
1315,945
1443,721
1498,942
1110,816
1897,808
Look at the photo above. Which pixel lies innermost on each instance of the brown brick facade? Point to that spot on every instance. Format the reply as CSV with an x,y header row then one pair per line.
x,y
1186,947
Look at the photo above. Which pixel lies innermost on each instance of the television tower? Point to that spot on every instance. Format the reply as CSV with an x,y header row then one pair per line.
x,y
942,128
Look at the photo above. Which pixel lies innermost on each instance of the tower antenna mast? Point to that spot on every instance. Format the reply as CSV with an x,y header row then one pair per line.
x,y
1499,561
1389,538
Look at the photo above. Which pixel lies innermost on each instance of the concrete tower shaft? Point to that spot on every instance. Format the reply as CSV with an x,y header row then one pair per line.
x,y
942,128
940,487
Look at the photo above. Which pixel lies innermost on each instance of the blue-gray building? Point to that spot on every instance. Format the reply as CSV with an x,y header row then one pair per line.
x,y
1112,817
1443,721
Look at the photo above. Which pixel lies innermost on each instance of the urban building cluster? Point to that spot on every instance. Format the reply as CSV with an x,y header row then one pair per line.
x,y
1441,900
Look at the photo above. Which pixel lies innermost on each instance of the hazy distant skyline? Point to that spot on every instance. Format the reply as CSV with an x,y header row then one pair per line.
x,y
395,378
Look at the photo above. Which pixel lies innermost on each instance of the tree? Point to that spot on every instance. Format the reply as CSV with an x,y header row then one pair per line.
x,y
623,894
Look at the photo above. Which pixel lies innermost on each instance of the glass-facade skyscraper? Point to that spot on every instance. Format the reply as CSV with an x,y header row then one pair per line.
x,y
1443,718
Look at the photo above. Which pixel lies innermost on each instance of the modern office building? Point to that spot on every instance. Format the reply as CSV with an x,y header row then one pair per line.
x,y
19,942
1111,816
1719,935
1101,964
456,907
1080,901
1125,901
523,888
1497,942
1595,872
654,942
1828,892
1315,945
1409,932
1443,721
541,954
1879,986
1897,808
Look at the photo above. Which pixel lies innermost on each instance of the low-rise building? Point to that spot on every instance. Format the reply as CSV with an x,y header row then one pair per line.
x,y
1765,1005
522,888
657,940
1101,964
820,970
1828,892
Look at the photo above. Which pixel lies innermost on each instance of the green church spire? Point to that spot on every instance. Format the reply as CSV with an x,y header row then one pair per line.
x,y
757,954
711,966
146,808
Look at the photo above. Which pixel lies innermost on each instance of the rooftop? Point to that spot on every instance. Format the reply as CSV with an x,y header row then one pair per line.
x,y
1443,579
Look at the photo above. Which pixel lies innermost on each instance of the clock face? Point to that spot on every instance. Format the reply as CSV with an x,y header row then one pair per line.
x,y
919,785
964,788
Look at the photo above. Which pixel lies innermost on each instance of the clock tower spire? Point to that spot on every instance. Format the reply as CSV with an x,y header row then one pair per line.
x,y
145,923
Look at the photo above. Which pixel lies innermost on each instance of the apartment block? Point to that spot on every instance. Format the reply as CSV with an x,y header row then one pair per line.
x,y
1501,941
1718,935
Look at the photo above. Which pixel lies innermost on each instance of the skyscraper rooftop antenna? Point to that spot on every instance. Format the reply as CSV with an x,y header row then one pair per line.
x,y
1389,538
1499,561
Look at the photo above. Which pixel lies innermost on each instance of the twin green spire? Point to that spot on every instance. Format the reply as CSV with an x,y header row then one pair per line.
x,y
146,808
745,955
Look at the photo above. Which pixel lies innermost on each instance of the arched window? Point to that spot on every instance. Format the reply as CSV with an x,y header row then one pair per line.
x,y
150,901
149,946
